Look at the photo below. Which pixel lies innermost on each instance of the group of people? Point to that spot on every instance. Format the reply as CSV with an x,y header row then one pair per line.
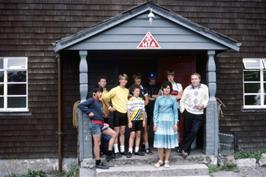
x,y
142,107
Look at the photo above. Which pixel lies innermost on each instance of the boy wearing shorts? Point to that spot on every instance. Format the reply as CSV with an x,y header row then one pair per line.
x,y
118,97
136,120
93,108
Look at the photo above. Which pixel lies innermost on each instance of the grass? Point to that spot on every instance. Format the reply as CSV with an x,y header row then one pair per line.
x,y
215,168
73,172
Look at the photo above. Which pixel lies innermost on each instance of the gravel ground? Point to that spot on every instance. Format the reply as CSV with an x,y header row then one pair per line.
x,y
243,172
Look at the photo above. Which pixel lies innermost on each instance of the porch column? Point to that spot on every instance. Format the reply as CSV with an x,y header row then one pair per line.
x,y
84,137
212,122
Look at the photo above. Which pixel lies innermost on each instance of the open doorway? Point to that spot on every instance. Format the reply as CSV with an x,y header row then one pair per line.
x,y
113,63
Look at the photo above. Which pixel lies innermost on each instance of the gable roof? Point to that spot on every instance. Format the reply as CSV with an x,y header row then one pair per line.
x,y
146,7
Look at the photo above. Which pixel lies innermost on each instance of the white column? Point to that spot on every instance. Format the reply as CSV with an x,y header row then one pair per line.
x,y
212,115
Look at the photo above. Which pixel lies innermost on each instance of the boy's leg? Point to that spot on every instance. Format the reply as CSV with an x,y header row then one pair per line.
x,y
96,146
113,135
122,139
139,127
137,143
131,143
117,129
122,123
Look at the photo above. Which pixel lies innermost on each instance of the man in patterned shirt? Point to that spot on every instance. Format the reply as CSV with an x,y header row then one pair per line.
x,y
192,104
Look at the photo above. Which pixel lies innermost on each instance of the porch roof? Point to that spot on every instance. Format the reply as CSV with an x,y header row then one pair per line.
x,y
219,41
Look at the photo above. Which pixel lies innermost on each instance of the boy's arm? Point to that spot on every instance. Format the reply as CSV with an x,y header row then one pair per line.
x,y
85,106
107,98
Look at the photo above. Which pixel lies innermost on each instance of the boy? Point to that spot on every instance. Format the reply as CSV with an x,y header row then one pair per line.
x,y
119,97
93,108
136,120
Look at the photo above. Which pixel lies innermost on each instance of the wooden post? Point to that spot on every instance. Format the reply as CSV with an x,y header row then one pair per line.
x,y
212,115
85,144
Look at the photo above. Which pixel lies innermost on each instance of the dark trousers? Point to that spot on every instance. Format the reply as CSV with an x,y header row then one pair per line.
x,y
192,124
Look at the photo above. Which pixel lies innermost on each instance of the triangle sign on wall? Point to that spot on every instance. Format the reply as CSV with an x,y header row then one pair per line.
x,y
149,42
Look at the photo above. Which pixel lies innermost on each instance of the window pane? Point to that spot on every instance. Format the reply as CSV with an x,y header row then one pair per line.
x,y
1,102
16,76
252,100
1,89
16,89
1,63
16,102
1,76
252,63
251,75
16,63
252,88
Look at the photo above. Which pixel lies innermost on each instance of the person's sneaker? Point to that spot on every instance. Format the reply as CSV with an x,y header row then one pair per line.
x,y
184,154
102,166
148,151
139,153
117,155
123,153
129,155
108,158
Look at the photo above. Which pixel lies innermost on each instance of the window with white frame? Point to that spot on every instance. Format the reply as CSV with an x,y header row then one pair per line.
x,y
13,84
254,82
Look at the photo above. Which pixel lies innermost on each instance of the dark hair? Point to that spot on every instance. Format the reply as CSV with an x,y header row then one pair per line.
x,y
165,84
133,88
170,72
136,76
97,89
102,77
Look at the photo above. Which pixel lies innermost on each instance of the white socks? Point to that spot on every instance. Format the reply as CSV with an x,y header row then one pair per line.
x,y
136,149
122,148
146,145
130,150
116,148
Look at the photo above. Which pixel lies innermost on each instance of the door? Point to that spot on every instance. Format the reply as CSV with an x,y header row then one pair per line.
x,y
183,66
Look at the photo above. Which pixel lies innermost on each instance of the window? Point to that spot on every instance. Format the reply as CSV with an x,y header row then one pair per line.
x,y
254,82
13,84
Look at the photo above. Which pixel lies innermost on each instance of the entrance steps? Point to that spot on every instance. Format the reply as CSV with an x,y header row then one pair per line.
x,y
143,166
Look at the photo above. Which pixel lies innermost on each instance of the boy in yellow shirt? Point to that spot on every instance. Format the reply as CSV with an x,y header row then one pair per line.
x,y
118,97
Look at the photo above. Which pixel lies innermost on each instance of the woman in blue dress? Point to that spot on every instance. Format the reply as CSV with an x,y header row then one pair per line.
x,y
165,125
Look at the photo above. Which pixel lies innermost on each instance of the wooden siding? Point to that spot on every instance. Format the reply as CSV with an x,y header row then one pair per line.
x,y
29,27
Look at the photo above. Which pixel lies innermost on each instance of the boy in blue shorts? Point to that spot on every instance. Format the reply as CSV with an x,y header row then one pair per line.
x,y
93,108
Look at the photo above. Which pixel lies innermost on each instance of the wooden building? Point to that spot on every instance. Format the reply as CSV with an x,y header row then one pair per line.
x,y
52,52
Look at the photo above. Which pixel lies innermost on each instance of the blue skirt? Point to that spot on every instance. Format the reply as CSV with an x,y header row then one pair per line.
x,y
165,137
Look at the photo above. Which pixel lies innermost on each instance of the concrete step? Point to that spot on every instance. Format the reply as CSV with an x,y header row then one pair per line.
x,y
177,170
175,158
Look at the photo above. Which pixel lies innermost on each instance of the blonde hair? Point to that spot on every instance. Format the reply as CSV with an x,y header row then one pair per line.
x,y
123,76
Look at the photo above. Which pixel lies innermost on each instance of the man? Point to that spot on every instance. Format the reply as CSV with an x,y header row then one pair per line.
x,y
153,90
192,104
118,97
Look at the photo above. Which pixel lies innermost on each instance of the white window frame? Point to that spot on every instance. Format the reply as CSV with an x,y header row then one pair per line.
x,y
6,69
262,94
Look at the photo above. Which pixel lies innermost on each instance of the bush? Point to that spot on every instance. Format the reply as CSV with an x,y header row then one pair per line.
x,y
249,154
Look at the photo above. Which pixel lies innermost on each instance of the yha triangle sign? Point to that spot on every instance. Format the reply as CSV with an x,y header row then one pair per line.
x,y
149,42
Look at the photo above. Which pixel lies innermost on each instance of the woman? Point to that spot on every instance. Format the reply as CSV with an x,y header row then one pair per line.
x,y
165,125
